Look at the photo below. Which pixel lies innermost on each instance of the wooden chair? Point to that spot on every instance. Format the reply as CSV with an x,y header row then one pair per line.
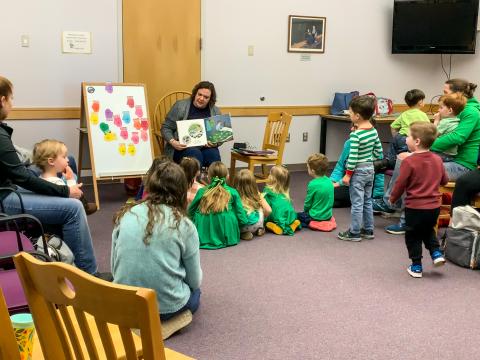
x,y
161,110
8,344
446,209
78,316
274,138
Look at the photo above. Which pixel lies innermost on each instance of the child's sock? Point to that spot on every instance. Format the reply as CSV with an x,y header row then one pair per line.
x,y
295,225
274,228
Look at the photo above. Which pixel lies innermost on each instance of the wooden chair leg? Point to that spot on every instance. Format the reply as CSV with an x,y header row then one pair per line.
x,y
251,167
264,170
232,169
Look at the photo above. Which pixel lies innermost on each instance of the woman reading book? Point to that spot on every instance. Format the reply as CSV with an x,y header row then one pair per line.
x,y
201,105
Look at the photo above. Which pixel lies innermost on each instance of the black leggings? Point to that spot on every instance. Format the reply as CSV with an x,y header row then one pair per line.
x,y
466,187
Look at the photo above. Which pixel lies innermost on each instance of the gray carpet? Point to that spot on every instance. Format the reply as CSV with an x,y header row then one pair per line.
x,y
311,296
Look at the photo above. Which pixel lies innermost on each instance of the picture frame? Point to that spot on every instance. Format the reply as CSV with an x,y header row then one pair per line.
x,y
306,34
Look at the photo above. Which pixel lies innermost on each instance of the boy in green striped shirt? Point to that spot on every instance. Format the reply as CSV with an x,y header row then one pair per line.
x,y
365,147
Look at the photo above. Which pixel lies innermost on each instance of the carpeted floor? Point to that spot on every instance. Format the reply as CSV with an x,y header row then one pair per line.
x,y
311,296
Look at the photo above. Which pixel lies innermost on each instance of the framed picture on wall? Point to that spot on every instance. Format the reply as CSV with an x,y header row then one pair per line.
x,y
306,34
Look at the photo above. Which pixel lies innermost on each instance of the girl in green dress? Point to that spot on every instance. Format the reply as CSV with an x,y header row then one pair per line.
x,y
217,211
254,204
283,219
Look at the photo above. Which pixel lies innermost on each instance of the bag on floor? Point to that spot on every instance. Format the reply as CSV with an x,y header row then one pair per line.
x,y
57,249
462,247
466,217
341,101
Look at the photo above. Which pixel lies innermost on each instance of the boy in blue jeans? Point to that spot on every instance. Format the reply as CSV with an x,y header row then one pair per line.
x,y
365,147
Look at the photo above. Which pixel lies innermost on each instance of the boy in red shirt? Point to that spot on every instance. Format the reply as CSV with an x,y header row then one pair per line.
x,y
420,177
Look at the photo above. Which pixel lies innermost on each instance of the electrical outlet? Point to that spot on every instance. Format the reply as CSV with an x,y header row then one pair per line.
x,y
288,137
305,136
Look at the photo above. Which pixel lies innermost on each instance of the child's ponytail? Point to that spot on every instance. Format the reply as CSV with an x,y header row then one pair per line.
x,y
215,199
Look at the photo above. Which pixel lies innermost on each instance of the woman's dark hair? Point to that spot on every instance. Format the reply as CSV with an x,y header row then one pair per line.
x,y
463,86
6,90
166,185
205,85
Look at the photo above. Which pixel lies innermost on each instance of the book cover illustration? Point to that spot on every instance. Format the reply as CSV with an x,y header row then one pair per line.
x,y
192,132
219,128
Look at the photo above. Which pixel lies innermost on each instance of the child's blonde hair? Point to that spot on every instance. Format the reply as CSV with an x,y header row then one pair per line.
x,y
247,188
47,149
215,199
279,180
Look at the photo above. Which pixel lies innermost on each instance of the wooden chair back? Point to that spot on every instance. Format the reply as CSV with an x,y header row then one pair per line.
x,y
161,110
72,309
8,344
276,132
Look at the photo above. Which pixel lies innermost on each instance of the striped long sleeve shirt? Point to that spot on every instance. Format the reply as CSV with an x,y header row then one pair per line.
x,y
365,146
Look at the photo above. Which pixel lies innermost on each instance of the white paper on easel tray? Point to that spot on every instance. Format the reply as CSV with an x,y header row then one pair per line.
x,y
192,132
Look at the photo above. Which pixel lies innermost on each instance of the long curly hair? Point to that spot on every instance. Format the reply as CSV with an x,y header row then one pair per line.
x,y
215,199
166,185
247,188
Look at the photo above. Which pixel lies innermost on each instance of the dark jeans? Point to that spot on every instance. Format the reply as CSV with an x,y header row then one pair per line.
x,y
420,227
341,197
192,304
466,187
397,146
204,155
304,218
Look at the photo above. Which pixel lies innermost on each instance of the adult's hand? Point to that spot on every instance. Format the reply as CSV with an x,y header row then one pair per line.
x,y
212,145
177,145
75,191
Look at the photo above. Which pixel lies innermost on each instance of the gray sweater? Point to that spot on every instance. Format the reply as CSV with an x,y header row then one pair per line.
x,y
178,112
170,264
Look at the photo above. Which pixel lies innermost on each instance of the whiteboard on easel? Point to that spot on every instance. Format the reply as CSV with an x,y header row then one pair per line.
x,y
119,131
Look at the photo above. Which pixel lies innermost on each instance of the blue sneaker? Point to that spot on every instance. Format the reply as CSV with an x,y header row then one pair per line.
x,y
415,270
395,229
379,206
438,258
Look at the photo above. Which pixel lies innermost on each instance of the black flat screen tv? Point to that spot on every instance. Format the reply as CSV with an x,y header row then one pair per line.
x,y
434,26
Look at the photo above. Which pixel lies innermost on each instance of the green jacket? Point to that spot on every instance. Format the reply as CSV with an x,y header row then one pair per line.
x,y
219,230
466,136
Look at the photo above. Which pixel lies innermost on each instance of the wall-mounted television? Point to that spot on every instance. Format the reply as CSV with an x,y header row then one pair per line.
x,y
434,26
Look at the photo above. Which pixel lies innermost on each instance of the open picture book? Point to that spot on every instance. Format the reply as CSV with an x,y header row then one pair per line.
x,y
199,132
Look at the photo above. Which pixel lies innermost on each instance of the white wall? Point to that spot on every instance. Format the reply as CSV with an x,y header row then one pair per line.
x,y
357,57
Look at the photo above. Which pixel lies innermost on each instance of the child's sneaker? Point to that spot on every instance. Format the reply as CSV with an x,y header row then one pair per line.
x,y
438,258
260,231
274,228
247,235
295,225
348,236
367,234
415,270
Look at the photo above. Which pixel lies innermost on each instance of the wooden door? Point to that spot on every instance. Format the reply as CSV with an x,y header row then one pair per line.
x,y
161,45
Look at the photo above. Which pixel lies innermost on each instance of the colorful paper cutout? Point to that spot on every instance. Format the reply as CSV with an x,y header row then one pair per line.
x,y
124,133
109,136
122,149
135,138
94,118
109,88
139,111
108,113
137,124
144,135
96,106
130,101
126,117
131,149
145,124
117,120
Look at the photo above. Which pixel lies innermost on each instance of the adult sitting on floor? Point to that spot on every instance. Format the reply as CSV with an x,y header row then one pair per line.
x,y
466,136
200,106
51,204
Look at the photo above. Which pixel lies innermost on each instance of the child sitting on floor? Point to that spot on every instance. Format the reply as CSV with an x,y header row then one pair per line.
x,y
51,158
191,168
283,219
446,120
217,211
142,193
421,175
317,208
254,204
